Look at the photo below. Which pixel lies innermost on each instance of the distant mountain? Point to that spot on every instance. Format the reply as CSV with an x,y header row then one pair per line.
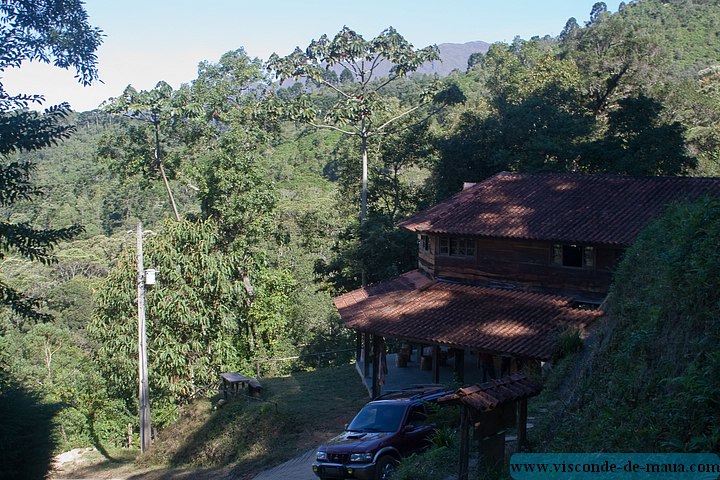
x,y
454,56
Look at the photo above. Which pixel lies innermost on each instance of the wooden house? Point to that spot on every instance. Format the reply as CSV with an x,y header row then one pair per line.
x,y
509,263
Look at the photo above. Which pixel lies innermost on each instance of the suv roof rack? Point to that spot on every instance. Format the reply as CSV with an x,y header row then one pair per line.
x,y
413,392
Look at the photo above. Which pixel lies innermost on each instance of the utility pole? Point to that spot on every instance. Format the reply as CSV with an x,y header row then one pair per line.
x,y
144,395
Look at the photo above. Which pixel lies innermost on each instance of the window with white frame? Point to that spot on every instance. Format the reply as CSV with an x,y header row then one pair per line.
x,y
457,246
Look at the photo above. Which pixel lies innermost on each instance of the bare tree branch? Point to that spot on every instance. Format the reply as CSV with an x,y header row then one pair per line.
x,y
332,127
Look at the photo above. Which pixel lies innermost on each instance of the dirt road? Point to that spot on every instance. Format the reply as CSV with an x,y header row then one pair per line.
x,y
298,468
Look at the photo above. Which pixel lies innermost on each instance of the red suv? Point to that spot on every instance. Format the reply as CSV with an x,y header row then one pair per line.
x,y
388,428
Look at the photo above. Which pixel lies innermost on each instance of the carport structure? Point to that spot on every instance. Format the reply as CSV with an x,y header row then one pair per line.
x,y
491,407
512,324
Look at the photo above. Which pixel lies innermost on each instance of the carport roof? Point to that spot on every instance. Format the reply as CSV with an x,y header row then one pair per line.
x,y
416,308
483,397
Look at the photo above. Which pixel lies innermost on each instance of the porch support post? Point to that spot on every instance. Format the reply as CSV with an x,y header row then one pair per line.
x,y
459,365
522,424
376,366
420,353
464,443
358,347
436,363
368,355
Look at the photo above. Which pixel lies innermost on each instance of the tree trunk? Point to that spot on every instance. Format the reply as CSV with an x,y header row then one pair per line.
x,y
363,196
162,171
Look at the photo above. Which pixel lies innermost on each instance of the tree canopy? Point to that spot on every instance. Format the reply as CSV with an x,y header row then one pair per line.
x,y
49,31
359,109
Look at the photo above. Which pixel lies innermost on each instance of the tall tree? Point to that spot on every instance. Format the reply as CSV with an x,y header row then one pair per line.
x,y
570,30
598,13
159,108
358,109
50,31
219,304
618,53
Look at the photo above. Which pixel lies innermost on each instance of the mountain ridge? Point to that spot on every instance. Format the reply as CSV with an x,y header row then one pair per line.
x,y
453,56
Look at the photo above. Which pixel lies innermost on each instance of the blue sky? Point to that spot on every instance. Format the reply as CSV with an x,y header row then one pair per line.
x,y
151,40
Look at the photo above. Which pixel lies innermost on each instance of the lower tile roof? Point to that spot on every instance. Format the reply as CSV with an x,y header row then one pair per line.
x,y
416,308
483,397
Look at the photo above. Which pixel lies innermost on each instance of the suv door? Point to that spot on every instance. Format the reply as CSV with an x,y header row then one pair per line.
x,y
416,431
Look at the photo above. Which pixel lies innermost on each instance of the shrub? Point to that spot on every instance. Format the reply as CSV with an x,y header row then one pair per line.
x,y
434,464
569,342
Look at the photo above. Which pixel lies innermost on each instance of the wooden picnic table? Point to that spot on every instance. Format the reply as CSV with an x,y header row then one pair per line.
x,y
234,381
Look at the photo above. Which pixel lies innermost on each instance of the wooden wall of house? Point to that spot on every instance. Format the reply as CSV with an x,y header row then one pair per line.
x,y
520,262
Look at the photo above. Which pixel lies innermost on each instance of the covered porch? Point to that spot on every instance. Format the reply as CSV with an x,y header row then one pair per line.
x,y
459,333
418,372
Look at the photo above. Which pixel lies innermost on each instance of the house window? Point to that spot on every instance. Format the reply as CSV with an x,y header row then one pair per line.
x,y
456,246
424,243
444,246
589,257
574,256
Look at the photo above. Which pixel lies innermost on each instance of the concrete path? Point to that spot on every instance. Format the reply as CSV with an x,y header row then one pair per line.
x,y
299,468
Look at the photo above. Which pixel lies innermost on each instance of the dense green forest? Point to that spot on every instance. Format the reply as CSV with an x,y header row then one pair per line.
x,y
266,183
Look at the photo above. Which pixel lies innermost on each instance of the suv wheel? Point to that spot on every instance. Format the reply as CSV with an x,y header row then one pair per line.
x,y
385,468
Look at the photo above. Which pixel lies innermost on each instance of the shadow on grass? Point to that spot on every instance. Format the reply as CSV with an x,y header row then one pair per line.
x,y
26,439
95,439
296,413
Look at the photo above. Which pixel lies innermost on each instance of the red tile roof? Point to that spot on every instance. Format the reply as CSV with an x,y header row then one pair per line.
x,y
565,208
415,308
490,395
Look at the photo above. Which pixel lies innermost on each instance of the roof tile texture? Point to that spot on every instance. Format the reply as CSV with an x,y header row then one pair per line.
x,y
415,308
487,396
566,208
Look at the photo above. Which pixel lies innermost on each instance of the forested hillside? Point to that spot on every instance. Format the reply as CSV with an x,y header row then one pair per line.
x,y
266,179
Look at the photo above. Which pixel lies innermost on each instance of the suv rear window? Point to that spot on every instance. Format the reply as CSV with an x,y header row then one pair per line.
x,y
378,417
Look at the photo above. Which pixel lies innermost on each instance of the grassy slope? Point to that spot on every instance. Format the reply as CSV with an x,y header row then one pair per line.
x,y
244,436
297,413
